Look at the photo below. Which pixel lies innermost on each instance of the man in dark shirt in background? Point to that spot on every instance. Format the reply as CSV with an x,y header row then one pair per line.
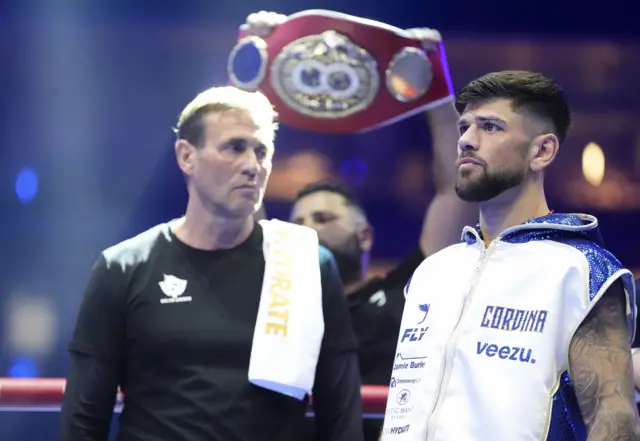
x,y
169,315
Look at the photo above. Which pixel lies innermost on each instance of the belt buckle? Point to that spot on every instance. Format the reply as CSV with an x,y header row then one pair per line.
x,y
325,76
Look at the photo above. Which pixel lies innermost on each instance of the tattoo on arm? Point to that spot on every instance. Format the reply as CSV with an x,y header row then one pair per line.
x,y
602,373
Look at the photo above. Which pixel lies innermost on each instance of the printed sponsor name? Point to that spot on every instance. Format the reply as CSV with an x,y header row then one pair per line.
x,y
512,353
397,430
398,381
399,410
408,362
413,334
398,413
280,287
510,319
408,365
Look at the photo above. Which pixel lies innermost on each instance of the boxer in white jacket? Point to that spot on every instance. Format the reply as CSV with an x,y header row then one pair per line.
x,y
522,331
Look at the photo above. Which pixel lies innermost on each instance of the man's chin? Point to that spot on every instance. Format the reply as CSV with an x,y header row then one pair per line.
x,y
469,197
242,209
465,193
474,197
479,195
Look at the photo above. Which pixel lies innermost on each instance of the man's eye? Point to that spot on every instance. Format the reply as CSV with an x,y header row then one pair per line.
x,y
238,147
491,127
261,153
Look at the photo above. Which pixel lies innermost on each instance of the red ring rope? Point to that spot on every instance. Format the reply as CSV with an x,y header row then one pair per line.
x,y
45,394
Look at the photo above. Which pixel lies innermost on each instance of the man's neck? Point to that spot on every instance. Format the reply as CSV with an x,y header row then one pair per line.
x,y
361,279
204,230
511,208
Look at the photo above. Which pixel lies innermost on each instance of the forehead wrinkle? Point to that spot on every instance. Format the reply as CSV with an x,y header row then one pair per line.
x,y
216,126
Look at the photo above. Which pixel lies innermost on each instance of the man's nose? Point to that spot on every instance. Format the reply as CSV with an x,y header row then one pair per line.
x,y
468,140
251,166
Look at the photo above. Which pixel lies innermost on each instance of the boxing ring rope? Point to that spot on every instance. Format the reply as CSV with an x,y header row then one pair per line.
x,y
45,395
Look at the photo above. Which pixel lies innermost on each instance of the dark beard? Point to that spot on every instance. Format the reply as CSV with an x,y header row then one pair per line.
x,y
348,260
487,186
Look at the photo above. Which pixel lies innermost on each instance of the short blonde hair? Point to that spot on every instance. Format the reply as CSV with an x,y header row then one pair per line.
x,y
220,99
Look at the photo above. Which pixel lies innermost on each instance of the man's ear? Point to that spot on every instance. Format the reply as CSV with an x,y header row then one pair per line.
x,y
185,155
544,150
365,238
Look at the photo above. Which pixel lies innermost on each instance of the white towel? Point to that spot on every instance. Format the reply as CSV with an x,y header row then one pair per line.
x,y
290,323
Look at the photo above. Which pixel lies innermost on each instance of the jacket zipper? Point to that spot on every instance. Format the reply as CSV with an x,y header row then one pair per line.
x,y
451,345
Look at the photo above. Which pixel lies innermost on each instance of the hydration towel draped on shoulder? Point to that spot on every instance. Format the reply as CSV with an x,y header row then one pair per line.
x,y
290,323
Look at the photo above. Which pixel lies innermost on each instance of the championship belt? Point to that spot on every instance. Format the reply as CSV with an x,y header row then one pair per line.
x,y
330,72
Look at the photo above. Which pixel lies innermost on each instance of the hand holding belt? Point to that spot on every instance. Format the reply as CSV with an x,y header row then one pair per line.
x,y
330,72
